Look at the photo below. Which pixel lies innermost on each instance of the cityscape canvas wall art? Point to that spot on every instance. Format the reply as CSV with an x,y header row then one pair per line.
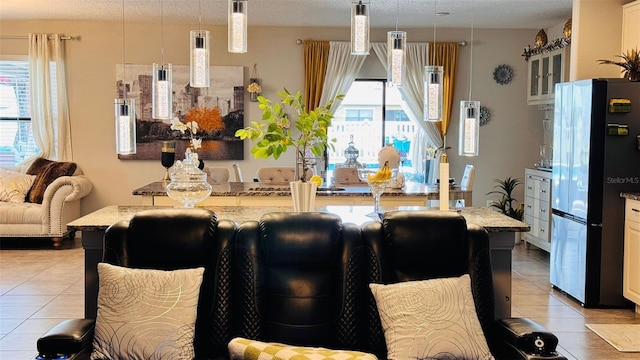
x,y
218,109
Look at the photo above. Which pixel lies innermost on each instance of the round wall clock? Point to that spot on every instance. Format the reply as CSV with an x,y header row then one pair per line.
x,y
503,74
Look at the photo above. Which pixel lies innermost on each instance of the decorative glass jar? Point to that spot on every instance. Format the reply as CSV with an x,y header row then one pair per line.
x,y
188,183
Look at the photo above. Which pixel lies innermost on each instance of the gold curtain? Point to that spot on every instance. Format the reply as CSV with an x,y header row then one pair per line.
x,y
445,54
316,57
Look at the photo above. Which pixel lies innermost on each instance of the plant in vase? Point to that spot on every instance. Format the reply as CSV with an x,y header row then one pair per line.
x,y
630,64
273,136
194,143
506,188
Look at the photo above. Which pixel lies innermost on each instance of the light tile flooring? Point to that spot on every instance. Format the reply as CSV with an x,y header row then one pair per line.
x,y
39,287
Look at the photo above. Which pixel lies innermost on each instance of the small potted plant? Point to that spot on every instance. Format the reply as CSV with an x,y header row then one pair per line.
x,y
506,203
630,64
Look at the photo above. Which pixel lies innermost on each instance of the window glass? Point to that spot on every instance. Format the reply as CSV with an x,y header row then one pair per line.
x,y
16,137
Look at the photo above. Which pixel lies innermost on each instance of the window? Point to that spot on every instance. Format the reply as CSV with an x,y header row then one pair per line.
x,y
371,115
16,137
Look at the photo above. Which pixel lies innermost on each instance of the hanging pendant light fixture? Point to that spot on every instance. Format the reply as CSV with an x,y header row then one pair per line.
x,y
125,111
396,66
433,86
469,133
162,88
199,55
237,30
359,28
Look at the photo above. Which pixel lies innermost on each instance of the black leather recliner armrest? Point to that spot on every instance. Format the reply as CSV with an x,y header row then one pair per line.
x,y
69,337
529,339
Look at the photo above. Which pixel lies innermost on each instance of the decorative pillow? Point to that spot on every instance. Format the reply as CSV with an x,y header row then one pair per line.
x,y
430,319
245,349
46,172
14,185
146,314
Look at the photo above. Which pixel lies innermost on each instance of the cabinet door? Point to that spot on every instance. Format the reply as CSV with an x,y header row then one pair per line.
x,y
534,78
545,74
557,72
631,277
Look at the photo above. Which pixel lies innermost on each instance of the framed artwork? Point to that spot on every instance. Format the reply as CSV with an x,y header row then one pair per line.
x,y
218,110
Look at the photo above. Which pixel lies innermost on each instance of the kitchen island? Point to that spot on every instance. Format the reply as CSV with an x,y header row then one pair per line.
x,y
279,194
501,230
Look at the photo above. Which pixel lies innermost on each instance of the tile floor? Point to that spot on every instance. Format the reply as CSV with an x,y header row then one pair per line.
x,y
39,287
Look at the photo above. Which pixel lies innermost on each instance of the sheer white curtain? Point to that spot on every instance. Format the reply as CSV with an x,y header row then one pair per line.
x,y
49,120
417,57
342,70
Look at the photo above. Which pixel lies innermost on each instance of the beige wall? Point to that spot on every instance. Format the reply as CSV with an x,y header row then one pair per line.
x,y
508,144
597,34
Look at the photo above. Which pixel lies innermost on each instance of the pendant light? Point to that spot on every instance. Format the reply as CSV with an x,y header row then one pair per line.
x,y
396,66
199,55
125,111
359,28
469,133
162,89
433,86
237,30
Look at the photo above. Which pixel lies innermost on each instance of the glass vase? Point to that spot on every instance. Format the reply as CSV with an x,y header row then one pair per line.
x,y
188,183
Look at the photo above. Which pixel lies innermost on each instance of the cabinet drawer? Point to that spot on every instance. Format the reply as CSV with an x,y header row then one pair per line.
x,y
632,210
543,210
544,190
543,229
531,184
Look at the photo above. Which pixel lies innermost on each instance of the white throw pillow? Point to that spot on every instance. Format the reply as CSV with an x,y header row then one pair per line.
x,y
14,186
146,314
430,319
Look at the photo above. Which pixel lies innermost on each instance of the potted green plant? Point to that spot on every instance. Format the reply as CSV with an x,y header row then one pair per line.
x,y
630,64
273,135
506,203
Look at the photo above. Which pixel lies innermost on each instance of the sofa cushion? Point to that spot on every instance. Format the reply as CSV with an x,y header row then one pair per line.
x,y
46,172
14,186
245,349
430,319
146,314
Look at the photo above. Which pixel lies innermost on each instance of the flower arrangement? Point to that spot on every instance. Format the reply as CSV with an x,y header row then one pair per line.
x,y
191,127
630,64
273,135
254,87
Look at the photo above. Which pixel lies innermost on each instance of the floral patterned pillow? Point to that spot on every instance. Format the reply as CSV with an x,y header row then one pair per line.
x,y
14,186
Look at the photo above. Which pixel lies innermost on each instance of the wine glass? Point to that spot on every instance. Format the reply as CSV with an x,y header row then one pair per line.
x,y
168,157
377,188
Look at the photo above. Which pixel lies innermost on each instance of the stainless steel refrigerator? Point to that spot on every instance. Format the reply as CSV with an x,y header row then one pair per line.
x,y
596,156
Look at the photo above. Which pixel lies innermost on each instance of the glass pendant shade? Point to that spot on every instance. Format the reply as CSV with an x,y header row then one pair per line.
x,y
199,69
237,26
469,134
162,94
396,41
433,93
359,28
125,112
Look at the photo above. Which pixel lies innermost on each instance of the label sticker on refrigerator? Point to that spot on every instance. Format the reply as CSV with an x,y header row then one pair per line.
x,y
619,105
618,129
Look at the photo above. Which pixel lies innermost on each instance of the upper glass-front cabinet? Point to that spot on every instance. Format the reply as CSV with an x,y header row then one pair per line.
x,y
545,71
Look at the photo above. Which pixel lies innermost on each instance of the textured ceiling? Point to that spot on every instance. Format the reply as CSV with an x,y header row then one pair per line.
x,y
487,14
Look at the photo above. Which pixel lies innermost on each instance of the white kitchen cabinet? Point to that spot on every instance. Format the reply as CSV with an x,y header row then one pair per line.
x,y
630,26
631,277
537,208
545,71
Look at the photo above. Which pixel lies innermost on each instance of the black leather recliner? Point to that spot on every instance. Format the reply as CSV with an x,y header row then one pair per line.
x,y
422,245
297,280
167,239
302,278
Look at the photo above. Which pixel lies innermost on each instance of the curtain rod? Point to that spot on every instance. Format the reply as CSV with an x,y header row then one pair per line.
x,y
50,37
461,43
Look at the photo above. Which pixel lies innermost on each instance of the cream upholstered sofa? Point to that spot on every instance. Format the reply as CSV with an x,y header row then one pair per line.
x,y
60,204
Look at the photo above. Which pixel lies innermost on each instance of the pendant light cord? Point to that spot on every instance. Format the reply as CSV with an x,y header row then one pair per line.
x,y
124,62
471,55
162,33
435,15
199,16
397,13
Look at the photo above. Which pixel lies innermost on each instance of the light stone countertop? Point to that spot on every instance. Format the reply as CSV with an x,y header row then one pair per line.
x,y
491,220
632,196
282,189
